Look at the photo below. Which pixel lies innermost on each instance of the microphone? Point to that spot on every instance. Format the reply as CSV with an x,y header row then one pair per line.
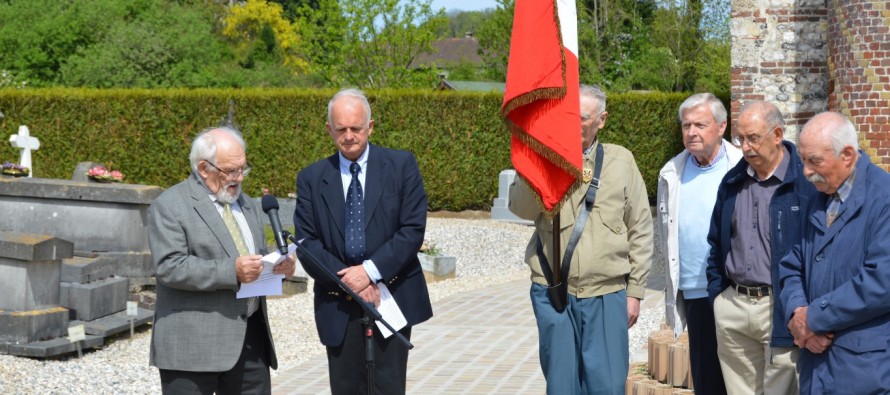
x,y
270,207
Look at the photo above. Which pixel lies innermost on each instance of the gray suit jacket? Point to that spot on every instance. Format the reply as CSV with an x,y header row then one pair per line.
x,y
199,324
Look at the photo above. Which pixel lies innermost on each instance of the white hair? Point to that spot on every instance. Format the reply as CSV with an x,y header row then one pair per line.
x,y
351,92
204,145
718,111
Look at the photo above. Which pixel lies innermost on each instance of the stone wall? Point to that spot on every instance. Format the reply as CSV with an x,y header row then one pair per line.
x,y
779,55
809,56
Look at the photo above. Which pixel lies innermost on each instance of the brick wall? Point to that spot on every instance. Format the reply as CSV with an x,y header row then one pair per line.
x,y
859,70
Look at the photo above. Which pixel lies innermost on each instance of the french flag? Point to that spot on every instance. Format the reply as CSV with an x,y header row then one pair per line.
x,y
541,104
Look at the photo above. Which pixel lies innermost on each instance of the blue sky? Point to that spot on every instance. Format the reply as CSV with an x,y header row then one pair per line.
x,y
465,5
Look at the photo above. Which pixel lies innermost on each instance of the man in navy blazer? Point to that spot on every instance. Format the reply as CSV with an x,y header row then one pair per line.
x,y
394,219
836,282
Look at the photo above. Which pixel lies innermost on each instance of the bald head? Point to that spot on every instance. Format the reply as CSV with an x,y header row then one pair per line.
x,y
829,149
759,133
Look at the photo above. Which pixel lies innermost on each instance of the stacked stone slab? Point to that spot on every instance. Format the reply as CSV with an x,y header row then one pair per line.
x,y
89,288
30,269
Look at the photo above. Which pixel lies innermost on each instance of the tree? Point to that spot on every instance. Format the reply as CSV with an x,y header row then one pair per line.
x,y
461,23
259,28
371,43
494,40
158,45
36,37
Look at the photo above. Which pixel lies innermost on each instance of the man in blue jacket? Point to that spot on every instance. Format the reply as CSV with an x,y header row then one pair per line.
x,y
836,281
756,221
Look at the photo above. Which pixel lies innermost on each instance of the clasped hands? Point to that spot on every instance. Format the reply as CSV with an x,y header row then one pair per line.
x,y
249,267
357,279
804,337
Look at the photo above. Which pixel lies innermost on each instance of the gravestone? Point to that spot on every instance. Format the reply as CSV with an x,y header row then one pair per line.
x,y
500,207
30,270
100,219
26,143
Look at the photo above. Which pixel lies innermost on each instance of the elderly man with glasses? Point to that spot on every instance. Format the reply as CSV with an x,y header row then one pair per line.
x,y
206,239
756,221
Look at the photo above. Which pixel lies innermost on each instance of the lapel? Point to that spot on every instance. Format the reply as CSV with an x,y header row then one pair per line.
x,y
332,193
375,178
207,211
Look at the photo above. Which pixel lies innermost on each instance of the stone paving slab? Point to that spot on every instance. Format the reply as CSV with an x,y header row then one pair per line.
x,y
480,342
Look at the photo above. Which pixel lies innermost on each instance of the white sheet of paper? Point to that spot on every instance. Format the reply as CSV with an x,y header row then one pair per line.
x,y
268,284
390,312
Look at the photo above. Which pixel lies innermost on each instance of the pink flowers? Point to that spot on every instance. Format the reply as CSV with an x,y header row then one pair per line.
x,y
101,174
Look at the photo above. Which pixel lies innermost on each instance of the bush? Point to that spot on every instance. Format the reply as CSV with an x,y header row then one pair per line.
x,y
459,139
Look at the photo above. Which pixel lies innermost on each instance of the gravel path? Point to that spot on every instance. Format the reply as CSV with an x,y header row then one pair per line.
x,y
488,252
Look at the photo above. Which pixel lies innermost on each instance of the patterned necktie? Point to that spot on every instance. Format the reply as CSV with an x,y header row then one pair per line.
x,y
833,206
238,238
355,218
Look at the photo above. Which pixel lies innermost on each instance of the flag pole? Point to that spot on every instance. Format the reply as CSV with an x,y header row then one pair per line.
x,y
556,258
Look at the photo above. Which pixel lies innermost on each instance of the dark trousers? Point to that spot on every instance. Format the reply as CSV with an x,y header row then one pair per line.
x,y
707,378
250,375
347,362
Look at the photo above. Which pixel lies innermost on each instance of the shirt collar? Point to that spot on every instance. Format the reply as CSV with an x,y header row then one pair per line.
x,y
718,158
779,171
362,161
843,192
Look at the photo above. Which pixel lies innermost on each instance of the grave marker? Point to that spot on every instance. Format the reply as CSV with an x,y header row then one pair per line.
x,y
26,143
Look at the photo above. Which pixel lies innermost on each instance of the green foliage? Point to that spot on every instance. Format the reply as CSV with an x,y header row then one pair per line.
x,y
158,46
494,40
462,22
371,43
460,141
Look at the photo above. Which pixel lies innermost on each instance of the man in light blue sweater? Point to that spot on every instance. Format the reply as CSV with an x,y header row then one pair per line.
x,y
687,189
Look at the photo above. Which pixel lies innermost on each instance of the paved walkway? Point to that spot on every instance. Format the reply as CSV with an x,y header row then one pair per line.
x,y
481,342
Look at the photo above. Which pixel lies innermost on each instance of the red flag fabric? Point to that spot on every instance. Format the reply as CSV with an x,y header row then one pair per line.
x,y
541,103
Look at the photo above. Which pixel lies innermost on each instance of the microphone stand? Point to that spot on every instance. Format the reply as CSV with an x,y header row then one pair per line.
x,y
370,312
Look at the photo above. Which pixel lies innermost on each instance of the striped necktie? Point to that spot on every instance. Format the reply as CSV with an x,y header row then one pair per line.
x,y
238,238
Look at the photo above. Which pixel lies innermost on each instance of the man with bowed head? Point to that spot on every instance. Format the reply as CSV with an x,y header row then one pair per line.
x,y
362,213
687,189
756,221
836,281
584,348
206,239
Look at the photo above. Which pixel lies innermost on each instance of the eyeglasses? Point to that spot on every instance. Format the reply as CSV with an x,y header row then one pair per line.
x,y
752,141
244,171
586,117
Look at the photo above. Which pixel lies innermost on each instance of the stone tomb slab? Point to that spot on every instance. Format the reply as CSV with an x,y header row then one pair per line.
x,y
33,325
51,348
96,299
115,323
86,269
30,270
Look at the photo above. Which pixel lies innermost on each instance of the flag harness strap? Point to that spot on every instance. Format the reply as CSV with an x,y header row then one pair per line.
x,y
558,293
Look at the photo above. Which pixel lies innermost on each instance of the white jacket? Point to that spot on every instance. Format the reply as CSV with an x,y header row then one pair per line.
x,y
666,230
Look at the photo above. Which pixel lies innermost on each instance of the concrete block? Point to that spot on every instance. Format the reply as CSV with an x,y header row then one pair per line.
x,y
438,267
33,325
131,264
34,247
29,285
500,207
96,299
54,347
115,323
86,269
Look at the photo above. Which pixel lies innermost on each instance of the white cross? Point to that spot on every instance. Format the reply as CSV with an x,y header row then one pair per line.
x,y
26,143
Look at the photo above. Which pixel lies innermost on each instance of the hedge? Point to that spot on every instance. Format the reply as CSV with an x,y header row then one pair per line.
x,y
459,139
